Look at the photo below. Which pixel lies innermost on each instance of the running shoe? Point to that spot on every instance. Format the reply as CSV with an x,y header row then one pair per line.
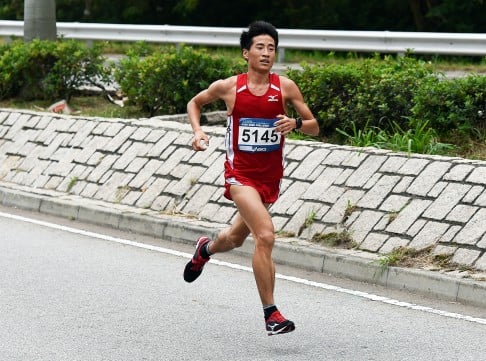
x,y
277,324
195,266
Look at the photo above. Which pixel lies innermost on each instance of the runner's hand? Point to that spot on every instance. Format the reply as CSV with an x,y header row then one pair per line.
x,y
200,141
285,124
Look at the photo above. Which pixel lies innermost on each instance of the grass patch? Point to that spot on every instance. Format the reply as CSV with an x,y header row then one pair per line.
x,y
350,208
71,184
89,106
341,239
413,258
309,221
420,139
284,234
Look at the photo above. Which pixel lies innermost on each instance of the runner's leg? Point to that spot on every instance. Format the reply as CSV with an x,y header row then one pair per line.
x,y
231,237
259,222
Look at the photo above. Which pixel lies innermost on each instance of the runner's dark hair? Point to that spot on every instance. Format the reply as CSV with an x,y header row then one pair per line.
x,y
256,28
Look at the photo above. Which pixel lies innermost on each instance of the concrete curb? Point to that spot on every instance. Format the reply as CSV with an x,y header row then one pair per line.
x,y
289,252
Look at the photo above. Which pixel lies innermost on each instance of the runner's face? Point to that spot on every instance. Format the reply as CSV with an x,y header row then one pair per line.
x,y
262,52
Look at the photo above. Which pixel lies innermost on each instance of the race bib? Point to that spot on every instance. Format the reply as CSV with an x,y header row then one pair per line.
x,y
258,135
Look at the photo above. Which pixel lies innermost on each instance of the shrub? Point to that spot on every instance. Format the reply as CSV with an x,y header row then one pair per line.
x,y
373,92
452,104
327,90
385,94
14,59
164,81
75,65
48,70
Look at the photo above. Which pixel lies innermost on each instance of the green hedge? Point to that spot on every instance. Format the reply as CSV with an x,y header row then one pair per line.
x,y
378,93
392,92
48,70
163,82
453,104
373,92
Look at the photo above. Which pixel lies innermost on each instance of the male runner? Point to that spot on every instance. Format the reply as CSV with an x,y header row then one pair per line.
x,y
257,123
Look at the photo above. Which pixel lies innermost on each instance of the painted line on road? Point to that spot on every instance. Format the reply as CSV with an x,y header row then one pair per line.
x,y
298,280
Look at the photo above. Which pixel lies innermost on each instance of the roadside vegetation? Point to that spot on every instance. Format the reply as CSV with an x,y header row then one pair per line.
x,y
403,103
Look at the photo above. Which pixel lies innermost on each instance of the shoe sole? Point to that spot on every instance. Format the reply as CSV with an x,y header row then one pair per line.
x,y
190,276
286,329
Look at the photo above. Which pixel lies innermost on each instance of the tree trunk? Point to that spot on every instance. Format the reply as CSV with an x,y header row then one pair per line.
x,y
418,16
40,20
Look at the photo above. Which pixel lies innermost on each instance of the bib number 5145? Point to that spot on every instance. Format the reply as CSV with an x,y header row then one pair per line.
x,y
258,135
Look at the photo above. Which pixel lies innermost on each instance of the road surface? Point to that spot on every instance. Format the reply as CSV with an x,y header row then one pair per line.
x,y
71,291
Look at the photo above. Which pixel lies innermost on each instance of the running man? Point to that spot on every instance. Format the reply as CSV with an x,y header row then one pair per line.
x,y
256,103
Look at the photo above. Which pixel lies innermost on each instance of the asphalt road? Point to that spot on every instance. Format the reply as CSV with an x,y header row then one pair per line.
x,y
66,294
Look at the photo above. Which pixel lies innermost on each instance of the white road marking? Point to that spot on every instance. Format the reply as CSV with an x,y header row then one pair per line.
x,y
302,281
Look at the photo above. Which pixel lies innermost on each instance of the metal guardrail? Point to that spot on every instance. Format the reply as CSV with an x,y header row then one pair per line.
x,y
326,40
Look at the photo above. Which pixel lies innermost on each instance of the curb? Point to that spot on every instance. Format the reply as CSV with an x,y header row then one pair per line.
x,y
290,252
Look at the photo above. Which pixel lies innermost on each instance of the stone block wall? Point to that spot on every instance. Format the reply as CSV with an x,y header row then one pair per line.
x,y
383,199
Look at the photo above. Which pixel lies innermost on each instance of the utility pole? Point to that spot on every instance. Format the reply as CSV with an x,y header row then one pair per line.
x,y
40,20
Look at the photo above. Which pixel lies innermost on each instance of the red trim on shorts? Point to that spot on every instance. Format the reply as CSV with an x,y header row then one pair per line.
x,y
268,191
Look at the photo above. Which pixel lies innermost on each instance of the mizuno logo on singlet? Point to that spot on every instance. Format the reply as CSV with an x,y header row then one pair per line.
x,y
273,98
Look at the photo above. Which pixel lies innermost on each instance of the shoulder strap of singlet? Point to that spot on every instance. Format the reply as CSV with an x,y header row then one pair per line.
x,y
275,81
241,81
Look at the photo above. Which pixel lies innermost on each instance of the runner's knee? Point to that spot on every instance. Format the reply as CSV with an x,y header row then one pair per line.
x,y
264,239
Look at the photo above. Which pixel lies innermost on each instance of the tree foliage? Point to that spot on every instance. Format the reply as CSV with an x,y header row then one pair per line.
x,y
393,15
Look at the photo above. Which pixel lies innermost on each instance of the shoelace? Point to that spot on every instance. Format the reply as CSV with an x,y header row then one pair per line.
x,y
277,317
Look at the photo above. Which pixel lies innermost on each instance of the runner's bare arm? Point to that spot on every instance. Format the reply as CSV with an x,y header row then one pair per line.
x,y
292,95
220,89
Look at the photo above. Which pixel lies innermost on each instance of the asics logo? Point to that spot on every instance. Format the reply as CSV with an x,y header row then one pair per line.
x,y
273,98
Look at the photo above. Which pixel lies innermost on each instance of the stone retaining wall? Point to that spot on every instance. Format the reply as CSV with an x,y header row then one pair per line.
x,y
382,199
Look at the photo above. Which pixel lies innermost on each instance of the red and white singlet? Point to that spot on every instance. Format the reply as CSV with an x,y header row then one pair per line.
x,y
254,149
